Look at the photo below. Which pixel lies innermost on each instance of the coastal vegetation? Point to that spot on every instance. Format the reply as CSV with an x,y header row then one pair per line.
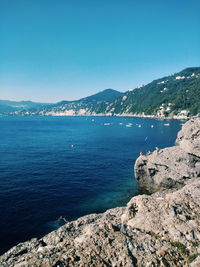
x,y
174,96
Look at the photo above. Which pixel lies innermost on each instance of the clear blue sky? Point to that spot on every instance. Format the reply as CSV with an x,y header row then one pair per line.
x,y
52,50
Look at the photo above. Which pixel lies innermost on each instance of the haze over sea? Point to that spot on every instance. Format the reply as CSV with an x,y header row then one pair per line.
x,y
69,166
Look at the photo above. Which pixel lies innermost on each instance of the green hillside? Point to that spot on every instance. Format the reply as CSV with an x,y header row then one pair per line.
x,y
171,95
174,95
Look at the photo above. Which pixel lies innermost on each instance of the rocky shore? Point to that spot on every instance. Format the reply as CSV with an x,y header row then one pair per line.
x,y
157,229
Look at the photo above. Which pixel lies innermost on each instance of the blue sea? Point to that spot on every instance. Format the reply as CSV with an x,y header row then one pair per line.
x,y
69,166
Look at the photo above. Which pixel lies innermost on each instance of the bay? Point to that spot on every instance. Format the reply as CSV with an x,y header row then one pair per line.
x,y
69,166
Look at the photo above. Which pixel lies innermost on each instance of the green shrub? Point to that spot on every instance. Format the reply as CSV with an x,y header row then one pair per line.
x,y
183,249
153,234
192,257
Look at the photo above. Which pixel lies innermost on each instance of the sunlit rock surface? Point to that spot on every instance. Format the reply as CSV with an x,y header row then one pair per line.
x,y
172,167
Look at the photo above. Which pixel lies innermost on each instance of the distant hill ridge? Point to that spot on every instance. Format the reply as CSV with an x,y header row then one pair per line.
x,y
172,95
12,106
177,95
105,95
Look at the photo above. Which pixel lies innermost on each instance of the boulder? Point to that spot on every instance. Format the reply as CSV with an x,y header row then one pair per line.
x,y
189,137
171,167
174,216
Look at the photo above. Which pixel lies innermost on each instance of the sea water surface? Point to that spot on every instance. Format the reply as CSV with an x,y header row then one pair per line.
x,y
69,166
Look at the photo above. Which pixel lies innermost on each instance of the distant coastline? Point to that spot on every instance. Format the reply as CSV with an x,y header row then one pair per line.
x,y
175,117
172,97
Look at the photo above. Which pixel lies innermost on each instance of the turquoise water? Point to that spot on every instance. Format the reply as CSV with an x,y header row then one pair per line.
x,y
69,166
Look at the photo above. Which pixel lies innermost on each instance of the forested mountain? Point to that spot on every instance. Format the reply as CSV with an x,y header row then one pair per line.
x,y
105,95
82,106
171,95
174,95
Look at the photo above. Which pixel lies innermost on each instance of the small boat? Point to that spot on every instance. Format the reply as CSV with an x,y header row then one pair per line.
x,y
107,123
166,124
152,126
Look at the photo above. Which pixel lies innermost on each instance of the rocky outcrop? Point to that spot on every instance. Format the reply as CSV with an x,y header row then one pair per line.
x,y
173,215
171,167
162,229
157,230
189,137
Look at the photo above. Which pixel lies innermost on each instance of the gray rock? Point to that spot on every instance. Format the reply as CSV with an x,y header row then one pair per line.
x,y
196,262
150,231
174,216
172,167
189,137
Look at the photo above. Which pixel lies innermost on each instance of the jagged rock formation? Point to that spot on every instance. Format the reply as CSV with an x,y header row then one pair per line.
x,y
172,167
162,229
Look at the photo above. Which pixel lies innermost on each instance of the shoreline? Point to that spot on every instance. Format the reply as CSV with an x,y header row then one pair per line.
x,y
184,118
99,124
159,229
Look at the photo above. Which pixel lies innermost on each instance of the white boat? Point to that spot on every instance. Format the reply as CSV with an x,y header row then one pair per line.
x,y
166,124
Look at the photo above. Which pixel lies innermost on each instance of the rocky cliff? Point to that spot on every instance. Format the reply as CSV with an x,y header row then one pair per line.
x,y
161,229
172,167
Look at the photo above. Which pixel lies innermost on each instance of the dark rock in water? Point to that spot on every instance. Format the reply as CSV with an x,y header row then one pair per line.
x,y
172,167
162,229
